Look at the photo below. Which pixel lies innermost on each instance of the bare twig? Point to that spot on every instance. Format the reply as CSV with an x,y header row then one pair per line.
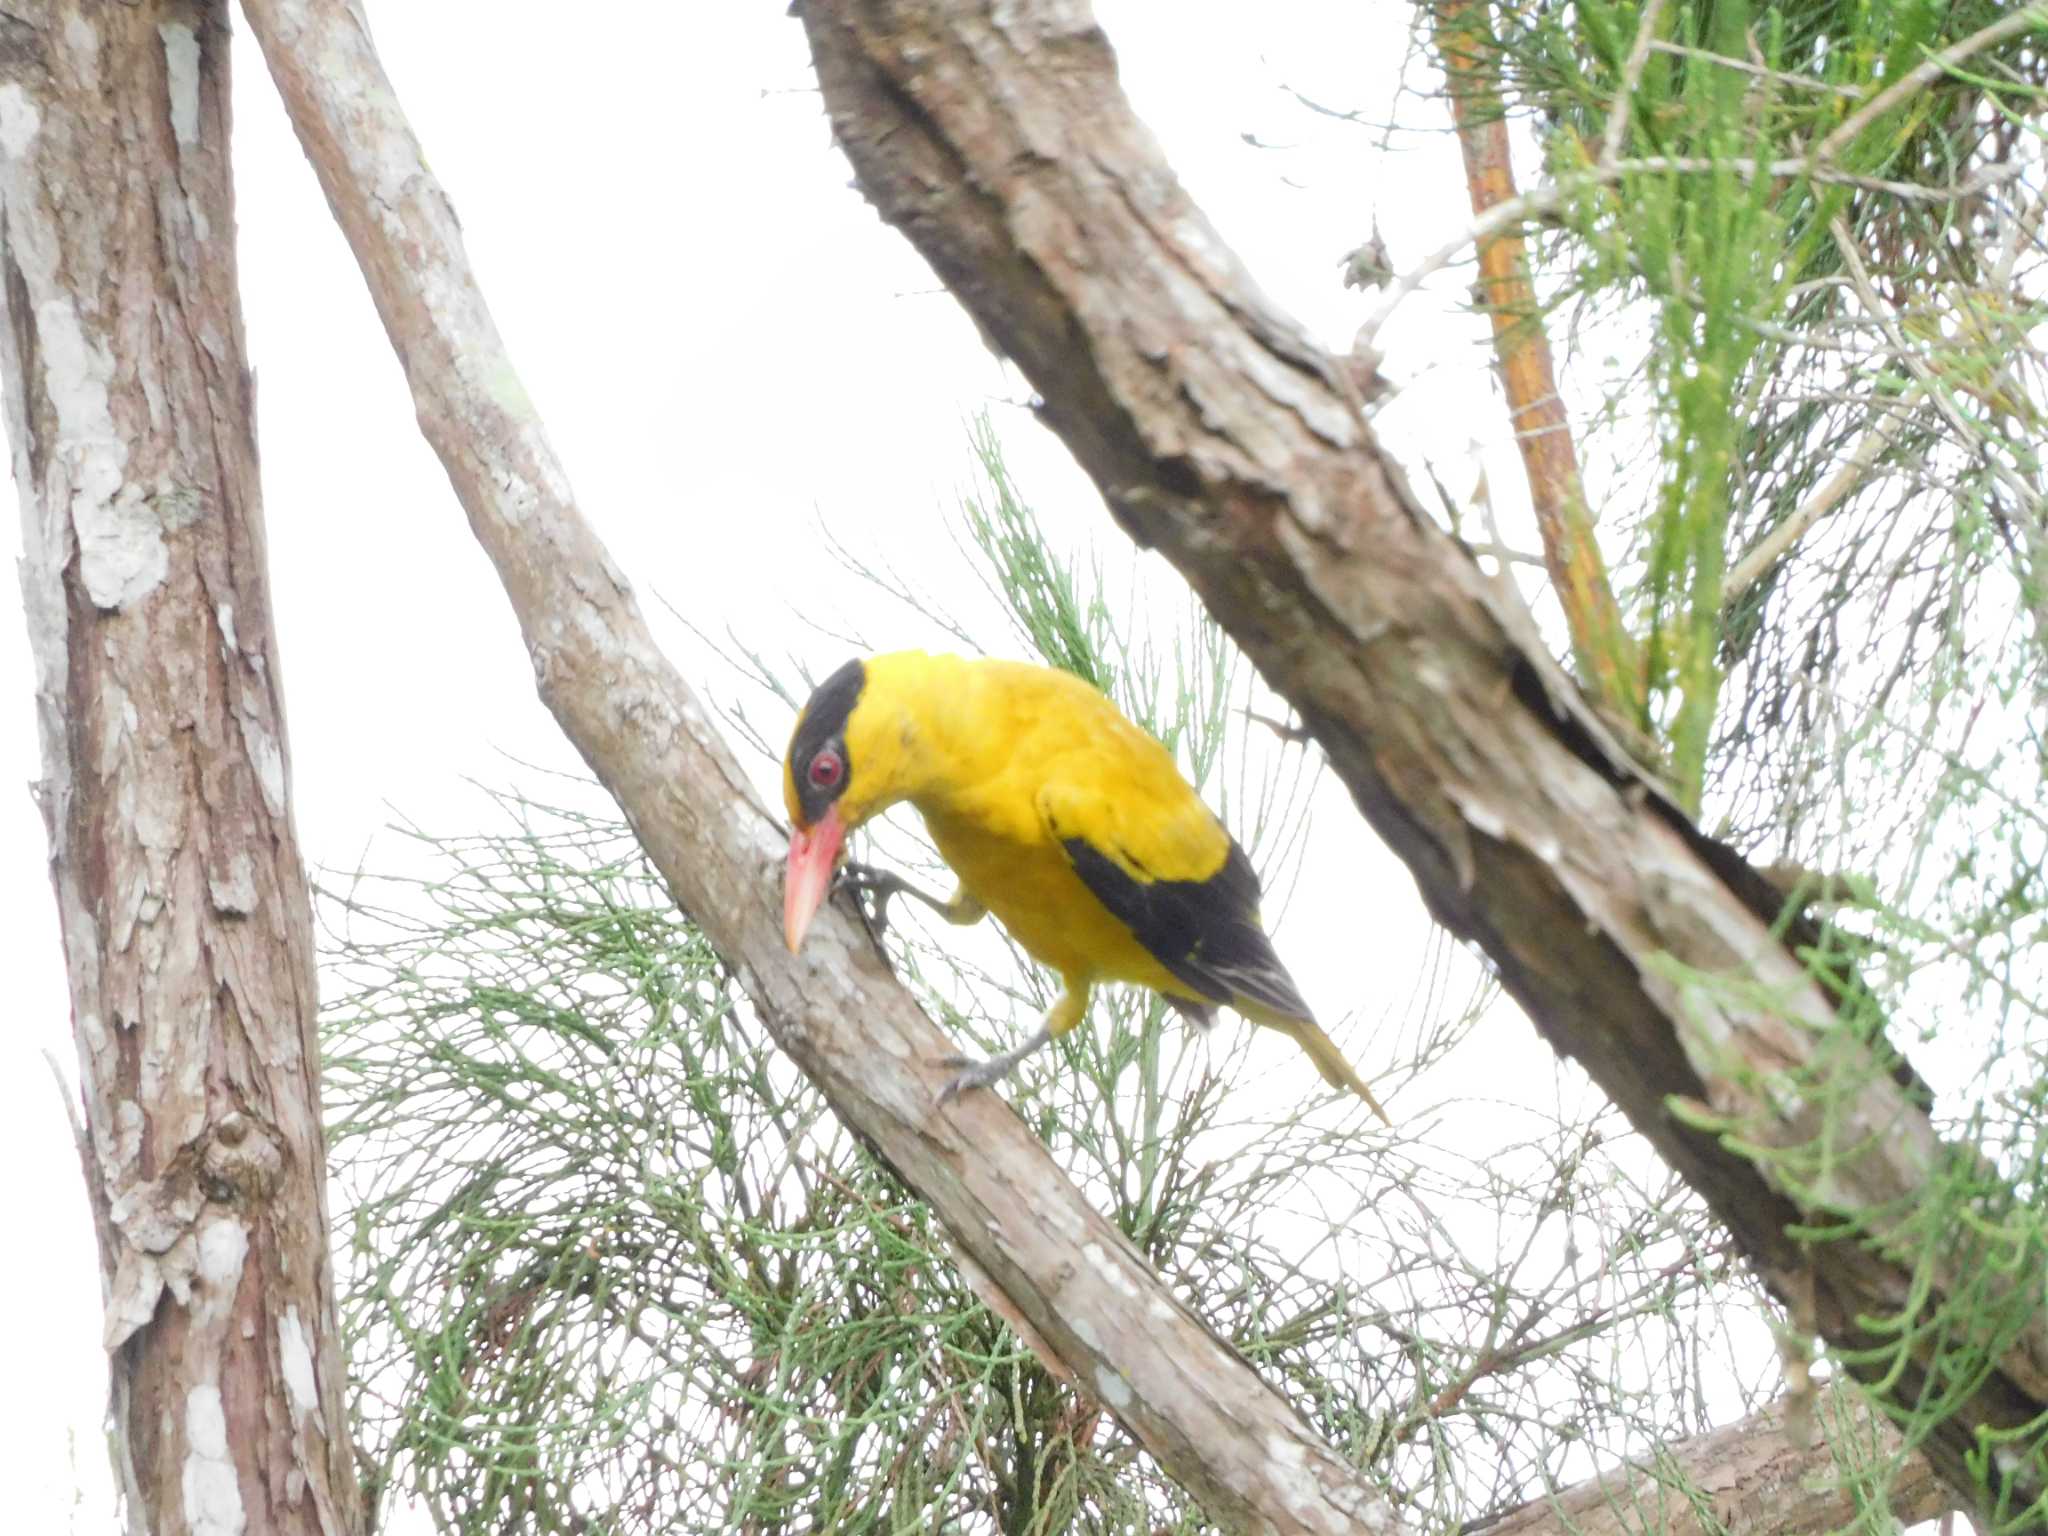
x,y
1772,547
1631,77
1548,199
67,1095
1744,66
1911,359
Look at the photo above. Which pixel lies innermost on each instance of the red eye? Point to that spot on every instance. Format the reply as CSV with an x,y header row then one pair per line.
x,y
827,769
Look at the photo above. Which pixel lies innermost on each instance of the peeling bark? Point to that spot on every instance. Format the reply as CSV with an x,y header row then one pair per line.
x,y
1088,1295
996,139
186,922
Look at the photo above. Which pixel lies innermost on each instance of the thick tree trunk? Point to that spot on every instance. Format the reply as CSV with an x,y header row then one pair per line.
x,y
186,922
996,138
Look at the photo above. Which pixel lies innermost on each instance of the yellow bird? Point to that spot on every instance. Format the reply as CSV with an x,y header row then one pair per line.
x,y
1059,816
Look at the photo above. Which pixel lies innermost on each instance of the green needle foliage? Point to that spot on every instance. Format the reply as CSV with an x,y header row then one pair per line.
x,y
1809,238
612,1267
1780,273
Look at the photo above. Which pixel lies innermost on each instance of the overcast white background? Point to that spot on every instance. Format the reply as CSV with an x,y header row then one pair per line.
x,y
728,348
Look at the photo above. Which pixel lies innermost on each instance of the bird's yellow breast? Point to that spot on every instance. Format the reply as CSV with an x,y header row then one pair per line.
x,y
1031,889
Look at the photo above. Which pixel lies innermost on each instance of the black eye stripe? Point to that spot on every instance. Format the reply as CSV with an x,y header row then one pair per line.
x,y
822,728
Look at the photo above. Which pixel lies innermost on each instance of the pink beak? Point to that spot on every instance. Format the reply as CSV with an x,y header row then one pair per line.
x,y
813,855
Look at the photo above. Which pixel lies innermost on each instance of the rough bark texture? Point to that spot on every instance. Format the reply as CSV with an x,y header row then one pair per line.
x,y
996,138
1750,1478
1088,1295
187,928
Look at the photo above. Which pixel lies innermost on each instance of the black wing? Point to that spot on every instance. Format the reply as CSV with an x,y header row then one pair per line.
x,y
1205,932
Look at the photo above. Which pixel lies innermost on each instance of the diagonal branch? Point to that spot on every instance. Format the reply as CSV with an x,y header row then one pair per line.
x,y
1893,417
996,138
1601,642
1195,1404
2028,18
1754,1477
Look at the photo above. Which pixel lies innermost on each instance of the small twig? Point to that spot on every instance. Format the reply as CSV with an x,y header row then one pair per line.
x,y
1772,547
68,1096
1548,199
1507,556
1280,728
2025,224
1909,355
1631,77
1777,76
1924,73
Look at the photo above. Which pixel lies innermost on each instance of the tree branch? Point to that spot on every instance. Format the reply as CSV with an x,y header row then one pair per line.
x,y
1750,1478
997,140
860,1037
1601,642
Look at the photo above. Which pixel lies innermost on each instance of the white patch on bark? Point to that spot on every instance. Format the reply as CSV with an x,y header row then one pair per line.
x,y
1484,818
118,721
223,1246
155,1213
84,44
1027,25
131,1299
181,65
19,120
213,1497
225,613
268,758
1111,1269
1112,1389
1301,1490
234,893
1283,1451
1085,1331
121,554
295,1356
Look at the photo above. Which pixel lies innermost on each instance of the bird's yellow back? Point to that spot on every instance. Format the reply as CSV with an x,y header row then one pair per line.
x,y
1005,761
1067,822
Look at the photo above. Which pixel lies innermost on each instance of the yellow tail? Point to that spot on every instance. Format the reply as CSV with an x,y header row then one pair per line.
x,y
1322,1050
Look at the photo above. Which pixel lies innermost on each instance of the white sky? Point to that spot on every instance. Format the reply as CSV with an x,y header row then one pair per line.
x,y
727,347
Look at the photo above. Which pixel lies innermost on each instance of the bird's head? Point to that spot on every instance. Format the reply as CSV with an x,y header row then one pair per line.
x,y
873,733
818,787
